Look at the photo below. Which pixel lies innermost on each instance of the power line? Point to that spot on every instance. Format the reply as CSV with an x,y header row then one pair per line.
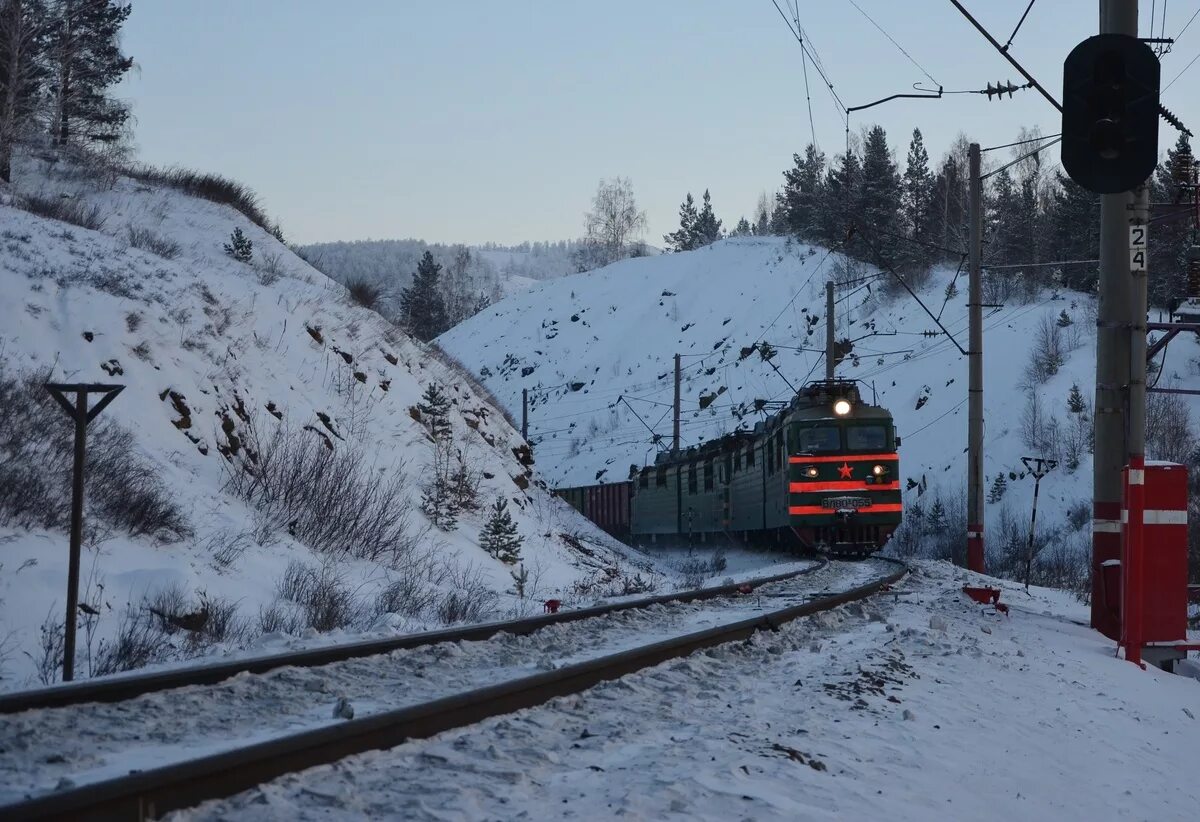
x,y
816,64
1025,156
1182,30
1020,142
1180,74
1020,22
1004,52
894,43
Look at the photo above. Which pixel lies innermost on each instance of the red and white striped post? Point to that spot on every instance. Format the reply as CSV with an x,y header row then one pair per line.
x,y
1132,558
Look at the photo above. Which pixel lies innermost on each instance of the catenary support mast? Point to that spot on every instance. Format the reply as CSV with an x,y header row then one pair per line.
x,y
975,510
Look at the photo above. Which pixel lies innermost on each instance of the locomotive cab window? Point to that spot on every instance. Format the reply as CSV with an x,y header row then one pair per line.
x,y
820,439
866,438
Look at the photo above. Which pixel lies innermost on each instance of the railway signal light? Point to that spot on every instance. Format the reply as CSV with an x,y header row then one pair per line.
x,y
1110,113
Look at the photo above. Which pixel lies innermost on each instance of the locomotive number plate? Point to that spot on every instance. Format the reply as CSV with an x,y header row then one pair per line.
x,y
844,503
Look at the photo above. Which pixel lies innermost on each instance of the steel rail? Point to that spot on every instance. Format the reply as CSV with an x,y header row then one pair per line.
x,y
119,689
155,792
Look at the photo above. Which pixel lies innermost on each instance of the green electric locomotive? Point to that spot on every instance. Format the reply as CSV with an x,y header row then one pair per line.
x,y
822,474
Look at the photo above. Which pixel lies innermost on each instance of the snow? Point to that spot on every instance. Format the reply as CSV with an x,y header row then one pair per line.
x,y
868,712
89,742
583,343
216,331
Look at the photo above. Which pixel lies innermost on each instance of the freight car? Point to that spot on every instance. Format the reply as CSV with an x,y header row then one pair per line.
x,y
821,474
606,505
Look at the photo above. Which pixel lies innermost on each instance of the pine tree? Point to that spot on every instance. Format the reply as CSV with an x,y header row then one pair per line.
x,y
421,303
1075,231
798,202
838,206
917,204
24,36
951,291
434,408
935,522
1170,239
743,229
999,486
85,61
707,228
500,536
1004,246
1076,404
1064,319
239,246
439,501
684,239
878,197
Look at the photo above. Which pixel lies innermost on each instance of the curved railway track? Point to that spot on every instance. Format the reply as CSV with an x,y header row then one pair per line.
x,y
119,689
152,792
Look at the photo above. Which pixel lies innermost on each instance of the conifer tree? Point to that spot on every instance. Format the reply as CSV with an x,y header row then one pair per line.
x,y
838,201
935,522
421,303
797,204
917,214
685,237
707,227
999,486
239,246
500,536
1075,231
435,411
85,60
743,229
878,196
1076,404
1170,238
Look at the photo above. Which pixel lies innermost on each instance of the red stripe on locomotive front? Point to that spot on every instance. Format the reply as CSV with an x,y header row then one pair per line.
x,y
844,458
848,485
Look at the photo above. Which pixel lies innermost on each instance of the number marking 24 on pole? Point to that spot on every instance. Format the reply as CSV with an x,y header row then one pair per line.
x,y
1137,248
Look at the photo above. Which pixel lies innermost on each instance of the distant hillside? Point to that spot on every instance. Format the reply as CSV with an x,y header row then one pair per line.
x,y
595,352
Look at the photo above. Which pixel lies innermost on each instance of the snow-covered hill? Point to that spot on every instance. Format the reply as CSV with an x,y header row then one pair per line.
x,y
595,351
213,350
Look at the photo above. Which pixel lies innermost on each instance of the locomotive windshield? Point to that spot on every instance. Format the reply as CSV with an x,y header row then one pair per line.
x,y
866,438
818,440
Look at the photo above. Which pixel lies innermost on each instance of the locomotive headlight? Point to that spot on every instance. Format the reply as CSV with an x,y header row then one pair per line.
x,y
809,471
841,408
879,470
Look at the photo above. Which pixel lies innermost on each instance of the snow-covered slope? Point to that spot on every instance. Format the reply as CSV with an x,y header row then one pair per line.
x,y
209,347
596,352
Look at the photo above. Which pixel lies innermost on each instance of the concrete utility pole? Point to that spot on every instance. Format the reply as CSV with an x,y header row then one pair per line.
x,y
829,342
675,427
975,510
1113,365
525,414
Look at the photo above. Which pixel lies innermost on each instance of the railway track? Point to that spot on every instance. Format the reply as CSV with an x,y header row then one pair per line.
x,y
627,644
119,689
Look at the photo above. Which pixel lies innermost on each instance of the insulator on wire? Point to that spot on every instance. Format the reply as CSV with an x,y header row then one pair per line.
x,y
1000,89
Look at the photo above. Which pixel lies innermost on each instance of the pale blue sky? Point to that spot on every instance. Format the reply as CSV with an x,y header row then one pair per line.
x,y
463,121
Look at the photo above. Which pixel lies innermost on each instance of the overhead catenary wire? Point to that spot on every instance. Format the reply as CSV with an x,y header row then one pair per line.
x,y
1019,143
1020,23
883,31
1025,156
841,106
1180,74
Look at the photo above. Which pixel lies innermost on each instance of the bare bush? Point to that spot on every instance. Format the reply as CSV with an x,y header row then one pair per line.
x,y
52,640
212,187
330,498
1169,432
64,209
280,618
470,597
327,601
36,450
140,640
364,293
410,591
1046,353
147,240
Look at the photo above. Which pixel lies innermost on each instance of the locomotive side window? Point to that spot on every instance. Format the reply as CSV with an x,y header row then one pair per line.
x,y
661,480
866,438
750,455
692,478
728,468
644,479
817,440
708,475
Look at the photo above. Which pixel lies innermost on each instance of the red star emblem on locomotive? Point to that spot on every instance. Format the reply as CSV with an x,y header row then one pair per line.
x,y
845,470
